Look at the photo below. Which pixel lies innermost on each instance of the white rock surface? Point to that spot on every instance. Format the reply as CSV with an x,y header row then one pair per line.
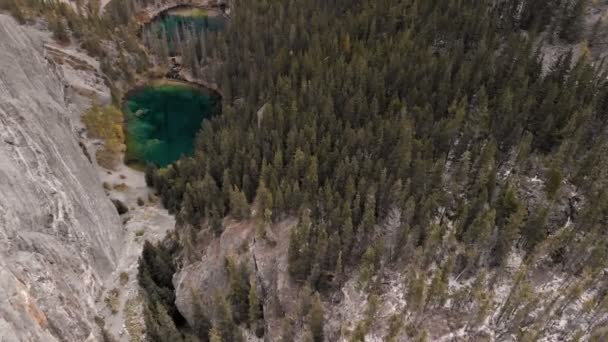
x,y
59,233
144,222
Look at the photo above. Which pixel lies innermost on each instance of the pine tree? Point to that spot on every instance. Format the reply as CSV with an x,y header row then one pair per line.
x,y
215,335
368,266
480,297
225,326
255,310
209,193
163,46
264,201
554,182
227,188
369,213
316,319
416,292
573,21
215,222
507,236
150,174
60,32
439,287
167,329
299,252
535,229
238,280
202,325
203,47
346,233
598,27
239,208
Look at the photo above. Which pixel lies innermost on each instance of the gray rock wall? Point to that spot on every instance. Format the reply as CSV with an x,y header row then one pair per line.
x,y
59,234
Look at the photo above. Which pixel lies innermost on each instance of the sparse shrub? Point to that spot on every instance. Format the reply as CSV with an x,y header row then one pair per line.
x,y
149,174
122,187
58,27
112,300
123,278
152,198
120,207
107,336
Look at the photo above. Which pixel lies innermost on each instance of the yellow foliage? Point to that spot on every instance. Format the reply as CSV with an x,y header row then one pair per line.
x,y
106,124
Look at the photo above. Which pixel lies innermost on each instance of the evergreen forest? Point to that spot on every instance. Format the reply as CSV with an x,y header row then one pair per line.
x,y
408,135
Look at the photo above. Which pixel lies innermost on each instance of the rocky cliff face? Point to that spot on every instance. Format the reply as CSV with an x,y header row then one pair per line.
x,y
265,258
59,233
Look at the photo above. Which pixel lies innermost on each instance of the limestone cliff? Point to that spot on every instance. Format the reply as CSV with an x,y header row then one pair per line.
x,y
59,233
265,257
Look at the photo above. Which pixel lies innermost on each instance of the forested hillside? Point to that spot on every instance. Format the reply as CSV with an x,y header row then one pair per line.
x,y
429,158
420,137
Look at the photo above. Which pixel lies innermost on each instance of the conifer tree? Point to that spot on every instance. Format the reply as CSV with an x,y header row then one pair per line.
x,y
202,325
264,199
316,319
225,327
416,292
553,183
238,290
535,230
573,21
239,208
60,32
255,310
300,253
215,336
507,236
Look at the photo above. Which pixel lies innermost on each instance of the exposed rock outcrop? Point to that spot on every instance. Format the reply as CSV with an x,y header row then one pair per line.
x,y
59,233
265,258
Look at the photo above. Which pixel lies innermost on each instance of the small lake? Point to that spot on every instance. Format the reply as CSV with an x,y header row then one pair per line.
x,y
178,22
162,119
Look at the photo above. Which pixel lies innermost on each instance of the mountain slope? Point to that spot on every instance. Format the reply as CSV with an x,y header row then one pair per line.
x,y
58,231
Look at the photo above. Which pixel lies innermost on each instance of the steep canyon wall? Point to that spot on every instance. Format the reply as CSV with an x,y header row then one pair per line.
x,y
59,233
